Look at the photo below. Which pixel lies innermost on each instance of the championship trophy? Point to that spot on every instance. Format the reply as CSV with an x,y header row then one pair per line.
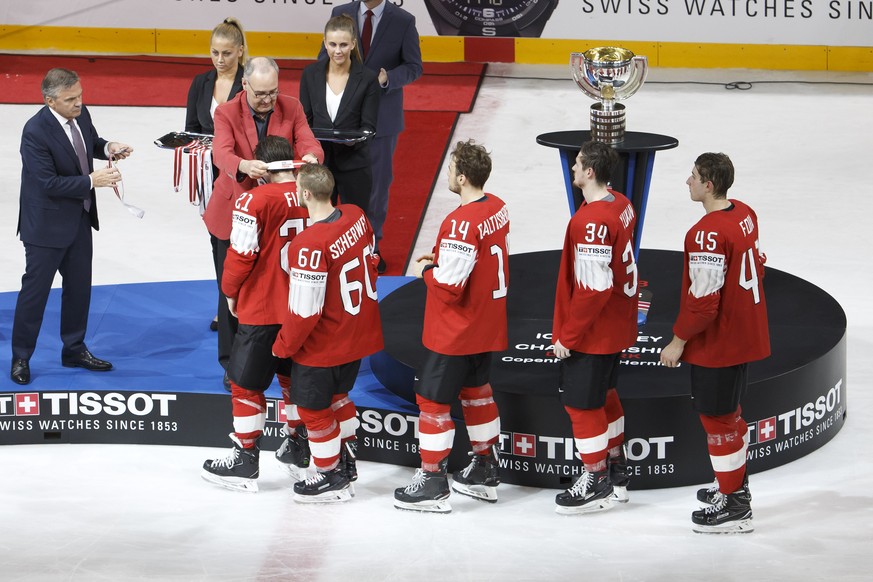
x,y
608,74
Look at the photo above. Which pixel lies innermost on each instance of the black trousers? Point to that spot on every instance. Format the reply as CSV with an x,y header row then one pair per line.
x,y
353,187
41,263
227,324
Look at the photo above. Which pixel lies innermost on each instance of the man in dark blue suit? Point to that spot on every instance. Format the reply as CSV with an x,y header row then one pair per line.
x,y
391,50
57,210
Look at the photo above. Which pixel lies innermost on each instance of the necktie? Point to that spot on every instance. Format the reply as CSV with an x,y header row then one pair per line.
x,y
367,33
79,146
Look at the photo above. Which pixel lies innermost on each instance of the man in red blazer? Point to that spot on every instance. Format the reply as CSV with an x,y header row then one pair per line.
x,y
257,111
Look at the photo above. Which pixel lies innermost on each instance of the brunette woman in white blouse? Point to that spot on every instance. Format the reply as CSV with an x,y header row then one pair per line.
x,y
338,92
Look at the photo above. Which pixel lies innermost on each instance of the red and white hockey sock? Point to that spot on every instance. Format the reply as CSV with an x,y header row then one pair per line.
x,y
590,435
292,416
324,437
727,438
615,420
249,414
436,432
481,417
346,415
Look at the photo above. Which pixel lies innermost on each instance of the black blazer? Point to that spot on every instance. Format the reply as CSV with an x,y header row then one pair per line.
x,y
53,187
396,49
198,118
358,110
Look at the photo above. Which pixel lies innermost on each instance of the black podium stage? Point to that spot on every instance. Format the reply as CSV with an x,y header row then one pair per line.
x,y
795,404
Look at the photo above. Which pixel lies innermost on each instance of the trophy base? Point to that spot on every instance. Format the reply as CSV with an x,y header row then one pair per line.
x,y
608,126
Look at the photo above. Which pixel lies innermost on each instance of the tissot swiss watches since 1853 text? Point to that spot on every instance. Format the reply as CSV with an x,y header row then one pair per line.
x,y
490,17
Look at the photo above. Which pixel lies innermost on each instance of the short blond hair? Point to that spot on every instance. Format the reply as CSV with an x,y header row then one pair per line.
x,y
316,178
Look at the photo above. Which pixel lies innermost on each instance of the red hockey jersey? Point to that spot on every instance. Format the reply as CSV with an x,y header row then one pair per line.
x,y
723,314
332,314
596,298
465,311
265,221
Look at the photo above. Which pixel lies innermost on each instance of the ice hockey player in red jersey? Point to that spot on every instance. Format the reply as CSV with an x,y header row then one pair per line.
x,y
721,327
467,278
332,321
595,319
265,220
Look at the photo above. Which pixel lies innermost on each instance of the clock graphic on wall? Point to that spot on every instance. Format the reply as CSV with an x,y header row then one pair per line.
x,y
511,18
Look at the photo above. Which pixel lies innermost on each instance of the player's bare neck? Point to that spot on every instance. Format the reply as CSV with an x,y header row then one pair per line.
x,y
471,195
594,192
712,204
320,210
281,177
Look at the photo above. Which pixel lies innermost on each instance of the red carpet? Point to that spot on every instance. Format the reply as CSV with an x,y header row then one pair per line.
x,y
432,104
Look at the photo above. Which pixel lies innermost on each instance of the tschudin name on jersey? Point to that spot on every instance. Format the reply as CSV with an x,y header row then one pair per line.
x,y
781,432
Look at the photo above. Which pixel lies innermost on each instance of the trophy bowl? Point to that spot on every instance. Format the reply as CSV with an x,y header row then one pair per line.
x,y
608,74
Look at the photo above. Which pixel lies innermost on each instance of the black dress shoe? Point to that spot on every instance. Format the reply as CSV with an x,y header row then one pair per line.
x,y
87,360
381,267
20,371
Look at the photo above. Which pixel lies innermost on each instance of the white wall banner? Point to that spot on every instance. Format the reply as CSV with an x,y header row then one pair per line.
x,y
797,22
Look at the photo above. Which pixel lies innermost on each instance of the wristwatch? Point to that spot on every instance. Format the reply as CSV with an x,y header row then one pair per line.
x,y
525,18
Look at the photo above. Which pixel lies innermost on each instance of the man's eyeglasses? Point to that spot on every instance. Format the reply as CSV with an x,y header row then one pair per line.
x,y
265,94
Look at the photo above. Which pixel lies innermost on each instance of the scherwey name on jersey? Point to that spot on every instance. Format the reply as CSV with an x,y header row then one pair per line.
x,y
348,238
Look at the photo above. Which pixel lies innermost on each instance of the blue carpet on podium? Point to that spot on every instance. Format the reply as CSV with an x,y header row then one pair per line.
x,y
158,339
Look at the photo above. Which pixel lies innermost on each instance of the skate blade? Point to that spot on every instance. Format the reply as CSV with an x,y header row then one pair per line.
x,y
479,492
297,473
326,497
619,494
232,483
435,506
741,526
593,507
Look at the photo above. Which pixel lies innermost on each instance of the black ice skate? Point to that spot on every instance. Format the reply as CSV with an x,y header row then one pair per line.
x,y
294,455
619,475
348,460
480,478
710,495
429,491
238,471
327,487
731,513
590,493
